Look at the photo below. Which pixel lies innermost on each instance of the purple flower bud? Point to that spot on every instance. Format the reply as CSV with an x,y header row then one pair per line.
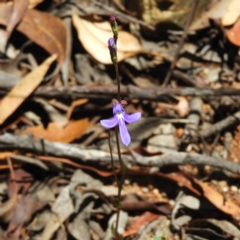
x,y
112,18
114,27
111,43
113,50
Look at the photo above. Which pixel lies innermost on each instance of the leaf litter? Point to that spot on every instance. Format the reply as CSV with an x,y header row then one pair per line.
x,y
183,162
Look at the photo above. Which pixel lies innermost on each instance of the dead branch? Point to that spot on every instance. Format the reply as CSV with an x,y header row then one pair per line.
x,y
221,125
77,152
129,92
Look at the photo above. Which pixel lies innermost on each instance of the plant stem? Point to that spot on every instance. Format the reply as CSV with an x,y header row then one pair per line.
x,y
118,82
123,168
110,148
120,184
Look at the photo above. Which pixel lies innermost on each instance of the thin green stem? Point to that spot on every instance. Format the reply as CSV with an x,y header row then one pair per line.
x,y
118,82
110,148
120,184
122,177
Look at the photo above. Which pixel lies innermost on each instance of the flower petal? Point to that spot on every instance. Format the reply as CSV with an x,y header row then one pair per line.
x,y
117,108
132,118
109,123
124,134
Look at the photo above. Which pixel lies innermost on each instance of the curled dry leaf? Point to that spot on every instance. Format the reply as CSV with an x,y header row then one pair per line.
x,y
217,199
23,89
42,28
215,11
182,108
18,11
233,34
94,37
146,217
232,13
66,133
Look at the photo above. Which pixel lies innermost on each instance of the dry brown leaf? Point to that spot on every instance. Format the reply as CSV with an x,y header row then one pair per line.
x,y
232,13
233,34
18,11
33,3
74,104
4,155
44,29
215,11
218,200
65,133
94,38
146,217
23,89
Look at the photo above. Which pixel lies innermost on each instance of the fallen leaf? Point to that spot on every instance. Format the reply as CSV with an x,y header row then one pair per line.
x,y
19,9
25,208
182,108
44,29
63,208
65,133
232,13
233,34
74,104
146,217
218,200
33,3
94,37
4,155
23,89
216,10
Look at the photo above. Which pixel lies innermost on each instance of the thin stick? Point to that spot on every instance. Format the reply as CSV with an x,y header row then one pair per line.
x,y
12,175
173,64
122,15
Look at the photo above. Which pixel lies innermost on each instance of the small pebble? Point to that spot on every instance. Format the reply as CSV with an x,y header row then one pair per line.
x,y
164,194
222,184
145,189
225,189
208,169
214,182
155,191
139,193
172,202
234,189
127,182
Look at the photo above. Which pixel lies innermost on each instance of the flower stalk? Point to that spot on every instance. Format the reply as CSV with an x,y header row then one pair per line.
x,y
120,117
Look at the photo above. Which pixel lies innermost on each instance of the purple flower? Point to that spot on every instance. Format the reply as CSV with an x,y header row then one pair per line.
x,y
120,117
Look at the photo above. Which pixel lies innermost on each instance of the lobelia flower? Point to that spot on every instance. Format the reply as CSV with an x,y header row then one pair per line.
x,y
119,118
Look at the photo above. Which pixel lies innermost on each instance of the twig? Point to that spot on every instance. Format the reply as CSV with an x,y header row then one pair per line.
x,y
25,143
173,64
120,15
129,92
221,125
195,116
